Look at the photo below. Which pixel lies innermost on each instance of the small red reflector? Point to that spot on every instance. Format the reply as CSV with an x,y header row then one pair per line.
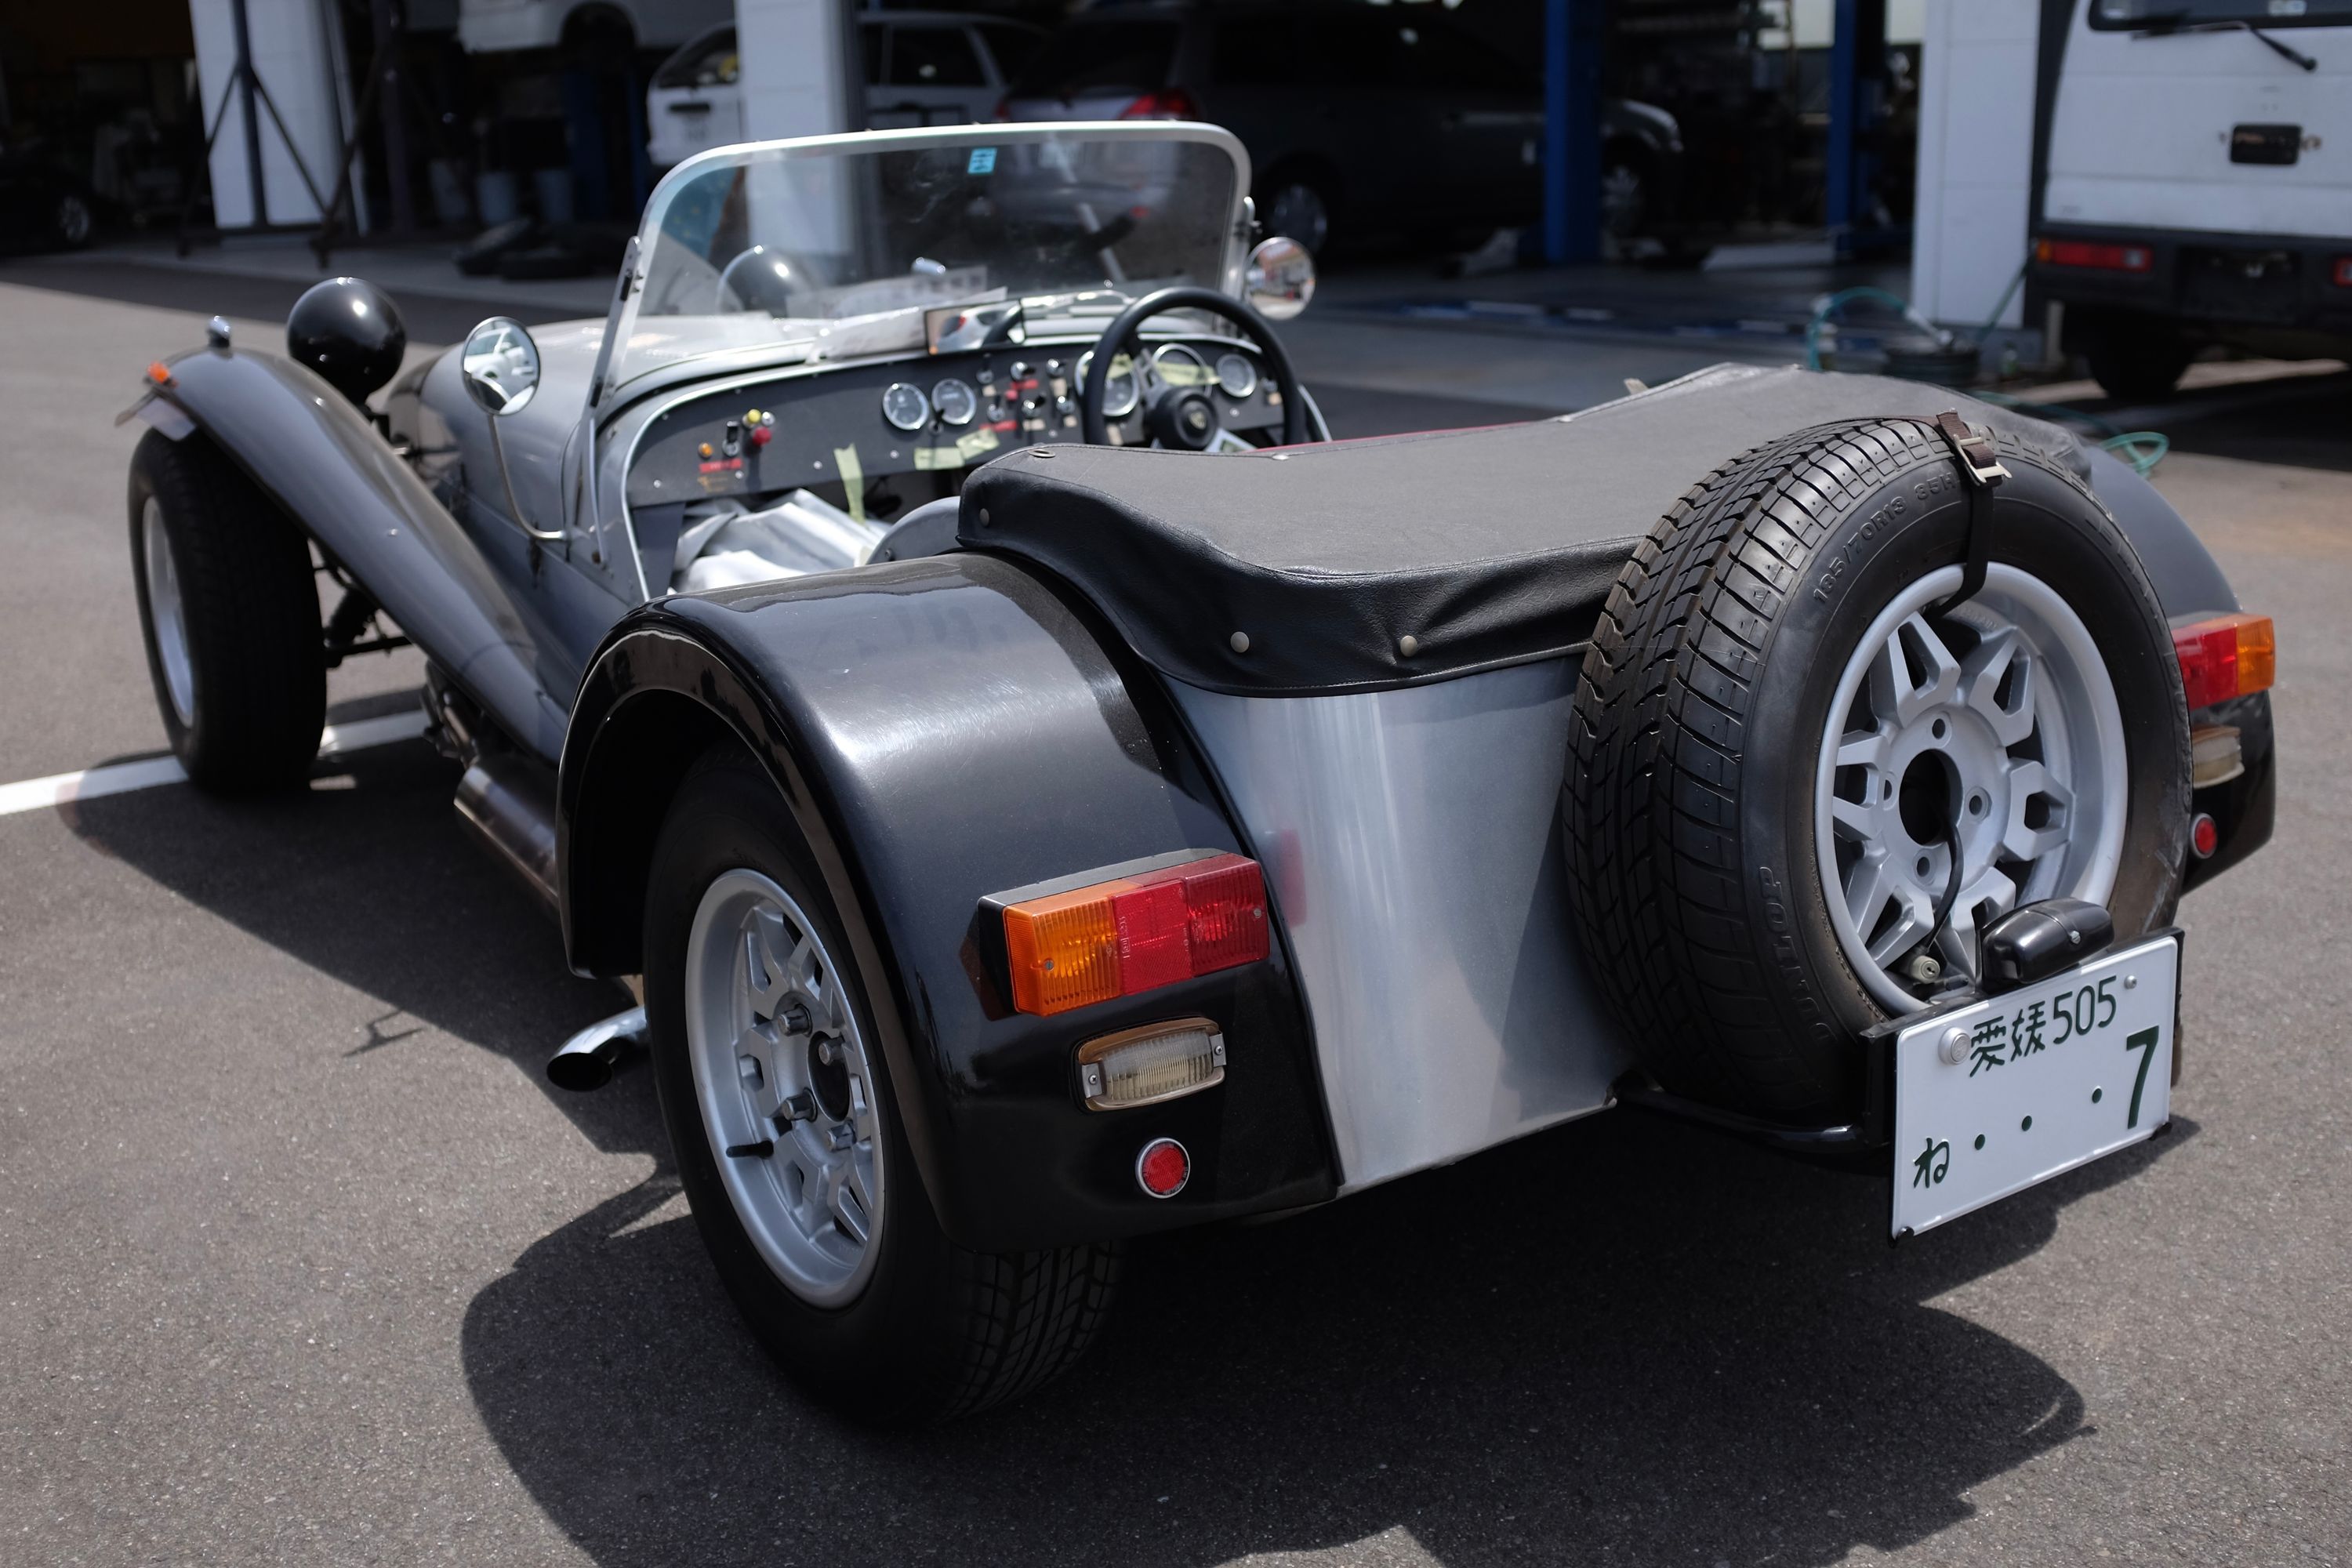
x,y
2203,836
2344,272
1163,1168
2225,657
1126,935
2086,253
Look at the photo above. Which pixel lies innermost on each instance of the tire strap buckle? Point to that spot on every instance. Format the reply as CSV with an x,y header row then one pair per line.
x,y
1981,468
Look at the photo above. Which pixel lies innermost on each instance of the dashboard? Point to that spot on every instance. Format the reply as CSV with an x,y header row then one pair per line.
x,y
880,439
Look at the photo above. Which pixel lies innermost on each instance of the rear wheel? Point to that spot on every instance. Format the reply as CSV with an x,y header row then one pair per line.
x,y
1297,206
790,1143
1799,788
230,609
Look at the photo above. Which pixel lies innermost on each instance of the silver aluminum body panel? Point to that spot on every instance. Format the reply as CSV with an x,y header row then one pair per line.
x,y
1412,839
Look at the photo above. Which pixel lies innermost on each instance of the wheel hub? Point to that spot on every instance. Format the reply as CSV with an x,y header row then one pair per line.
x,y
1996,728
787,1088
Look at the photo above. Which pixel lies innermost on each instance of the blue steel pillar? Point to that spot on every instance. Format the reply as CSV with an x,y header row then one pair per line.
x,y
1571,143
1857,68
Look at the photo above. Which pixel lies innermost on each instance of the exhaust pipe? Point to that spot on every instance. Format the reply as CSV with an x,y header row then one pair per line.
x,y
586,1060
509,804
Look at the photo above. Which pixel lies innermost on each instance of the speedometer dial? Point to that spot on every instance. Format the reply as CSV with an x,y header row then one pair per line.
x,y
906,407
1180,366
1236,375
956,401
1120,394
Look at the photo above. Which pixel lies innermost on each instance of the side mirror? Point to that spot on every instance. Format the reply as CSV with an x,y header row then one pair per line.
x,y
1280,280
500,365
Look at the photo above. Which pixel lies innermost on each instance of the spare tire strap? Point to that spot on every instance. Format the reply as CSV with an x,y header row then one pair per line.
x,y
1980,474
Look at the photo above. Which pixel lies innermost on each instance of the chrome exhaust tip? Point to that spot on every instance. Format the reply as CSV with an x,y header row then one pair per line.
x,y
586,1060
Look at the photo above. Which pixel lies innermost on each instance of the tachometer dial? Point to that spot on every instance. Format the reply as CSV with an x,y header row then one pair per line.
x,y
906,407
956,401
1236,375
1122,394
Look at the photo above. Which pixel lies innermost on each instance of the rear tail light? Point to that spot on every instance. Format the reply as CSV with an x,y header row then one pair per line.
x,y
1165,104
1145,1065
2086,253
2225,657
2343,273
1129,934
1003,109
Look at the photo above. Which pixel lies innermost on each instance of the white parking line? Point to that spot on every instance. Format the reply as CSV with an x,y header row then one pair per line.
x,y
116,778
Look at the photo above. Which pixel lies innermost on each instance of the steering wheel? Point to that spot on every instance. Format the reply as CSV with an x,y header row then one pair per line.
x,y
1184,417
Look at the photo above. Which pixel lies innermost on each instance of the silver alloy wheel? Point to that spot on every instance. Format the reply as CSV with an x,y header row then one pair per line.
x,y
778,1060
2018,736
1296,212
165,616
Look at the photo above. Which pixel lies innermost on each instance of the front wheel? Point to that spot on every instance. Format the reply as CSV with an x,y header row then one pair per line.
x,y
790,1145
230,609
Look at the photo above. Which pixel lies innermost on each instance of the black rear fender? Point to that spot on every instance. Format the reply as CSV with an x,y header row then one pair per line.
x,y
316,454
940,729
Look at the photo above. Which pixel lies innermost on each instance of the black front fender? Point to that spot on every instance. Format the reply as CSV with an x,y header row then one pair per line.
x,y
316,454
940,729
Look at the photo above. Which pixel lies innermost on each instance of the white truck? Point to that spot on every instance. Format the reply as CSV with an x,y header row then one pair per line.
x,y
2198,187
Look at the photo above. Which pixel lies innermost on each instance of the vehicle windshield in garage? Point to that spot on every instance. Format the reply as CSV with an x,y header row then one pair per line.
x,y
845,247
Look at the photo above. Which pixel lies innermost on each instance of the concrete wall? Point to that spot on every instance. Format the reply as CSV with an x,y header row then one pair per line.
x,y
794,57
1976,157
298,54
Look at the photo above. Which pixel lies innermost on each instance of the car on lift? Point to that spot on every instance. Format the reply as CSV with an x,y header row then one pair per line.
x,y
1045,792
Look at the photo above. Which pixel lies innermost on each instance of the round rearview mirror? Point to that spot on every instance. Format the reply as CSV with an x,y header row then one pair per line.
x,y
1281,278
500,365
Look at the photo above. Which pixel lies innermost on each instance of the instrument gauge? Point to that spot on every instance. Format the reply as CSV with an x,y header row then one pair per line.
x,y
1120,394
1235,375
906,407
956,402
1179,367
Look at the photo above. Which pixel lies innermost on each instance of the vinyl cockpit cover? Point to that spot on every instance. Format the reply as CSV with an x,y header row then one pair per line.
x,y
1361,565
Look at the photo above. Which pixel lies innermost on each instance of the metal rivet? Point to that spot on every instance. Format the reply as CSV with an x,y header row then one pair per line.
x,y
983,517
1281,457
2130,982
1039,452
1408,645
1239,642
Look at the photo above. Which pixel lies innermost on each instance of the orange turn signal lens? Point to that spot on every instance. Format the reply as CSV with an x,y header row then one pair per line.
x,y
2225,657
1129,934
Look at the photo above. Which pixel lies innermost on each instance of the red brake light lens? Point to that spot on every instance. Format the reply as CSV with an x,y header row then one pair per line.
x,y
1126,935
2225,657
2101,258
2344,272
1164,103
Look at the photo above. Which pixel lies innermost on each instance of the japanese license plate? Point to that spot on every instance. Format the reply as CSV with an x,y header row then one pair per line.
x,y
1994,1097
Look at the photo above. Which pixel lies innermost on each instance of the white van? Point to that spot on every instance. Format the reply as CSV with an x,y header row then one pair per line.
x,y
922,68
2199,184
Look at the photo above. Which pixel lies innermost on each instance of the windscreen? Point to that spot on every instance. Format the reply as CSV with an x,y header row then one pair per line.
x,y
841,245
2159,14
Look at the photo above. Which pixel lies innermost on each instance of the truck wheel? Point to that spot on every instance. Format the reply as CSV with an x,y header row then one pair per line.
x,y
2137,365
1777,738
230,610
791,1146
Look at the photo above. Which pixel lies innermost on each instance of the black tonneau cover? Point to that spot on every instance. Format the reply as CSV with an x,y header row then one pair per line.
x,y
1305,571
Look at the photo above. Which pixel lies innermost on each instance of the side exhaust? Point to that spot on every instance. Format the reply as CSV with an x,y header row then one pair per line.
x,y
509,804
586,1060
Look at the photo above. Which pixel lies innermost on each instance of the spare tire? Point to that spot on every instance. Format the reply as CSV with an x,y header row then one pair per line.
x,y
1778,736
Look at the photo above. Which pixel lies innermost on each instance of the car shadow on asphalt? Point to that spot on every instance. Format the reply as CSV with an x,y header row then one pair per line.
x,y
1621,1339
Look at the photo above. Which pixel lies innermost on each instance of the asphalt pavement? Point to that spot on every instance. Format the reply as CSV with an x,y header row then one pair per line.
x,y
302,1261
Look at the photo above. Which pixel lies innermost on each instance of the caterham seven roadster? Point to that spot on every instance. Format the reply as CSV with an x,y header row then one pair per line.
x,y
1043,790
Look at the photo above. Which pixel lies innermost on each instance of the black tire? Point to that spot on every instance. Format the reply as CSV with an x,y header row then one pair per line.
x,y
1690,835
938,1330
1301,198
2138,364
249,604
